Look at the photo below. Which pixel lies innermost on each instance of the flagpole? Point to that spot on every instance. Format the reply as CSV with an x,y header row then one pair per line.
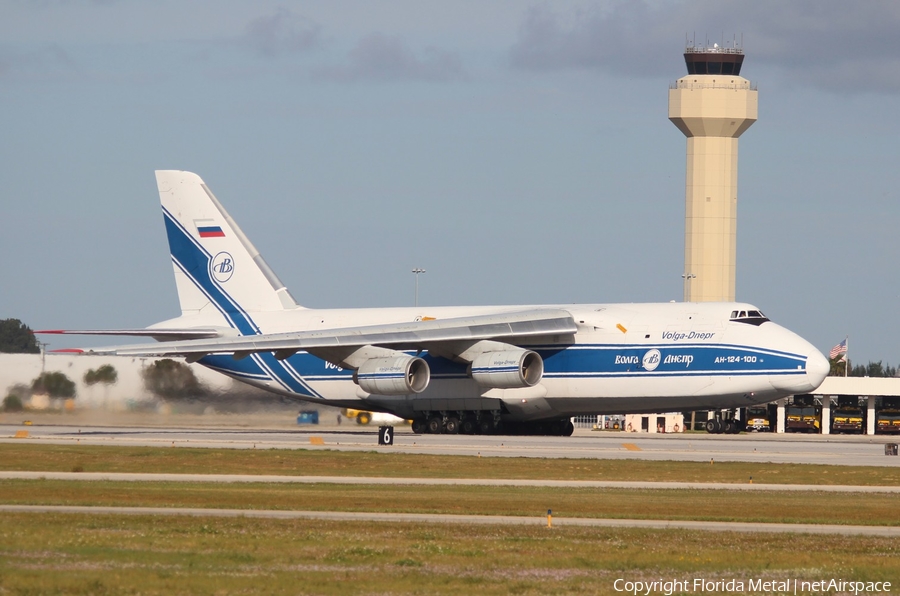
x,y
847,356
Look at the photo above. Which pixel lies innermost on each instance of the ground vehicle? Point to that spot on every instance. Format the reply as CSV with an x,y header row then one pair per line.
x,y
848,416
803,416
759,419
887,418
615,422
365,417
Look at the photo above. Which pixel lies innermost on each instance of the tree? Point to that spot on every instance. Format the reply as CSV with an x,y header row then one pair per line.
x,y
106,374
873,369
837,366
17,338
55,384
12,403
170,379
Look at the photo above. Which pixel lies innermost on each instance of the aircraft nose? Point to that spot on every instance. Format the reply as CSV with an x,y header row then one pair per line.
x,y
817,368
814,372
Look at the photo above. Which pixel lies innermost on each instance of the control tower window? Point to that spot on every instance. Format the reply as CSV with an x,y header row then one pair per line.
x,y
751,317
714,62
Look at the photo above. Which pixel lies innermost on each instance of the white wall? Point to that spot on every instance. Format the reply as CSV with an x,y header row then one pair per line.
x,y
129,388
674,422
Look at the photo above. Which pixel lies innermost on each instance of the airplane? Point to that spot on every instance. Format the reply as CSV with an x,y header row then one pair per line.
x,y
486,369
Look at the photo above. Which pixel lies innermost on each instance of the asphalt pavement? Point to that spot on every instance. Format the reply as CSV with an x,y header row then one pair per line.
x,y
845,450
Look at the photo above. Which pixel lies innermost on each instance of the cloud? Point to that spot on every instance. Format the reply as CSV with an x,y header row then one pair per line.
x,y
587,38
384,58
48,61
832,44
282,33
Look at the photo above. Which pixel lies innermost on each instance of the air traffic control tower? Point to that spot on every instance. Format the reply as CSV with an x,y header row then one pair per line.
x,y
713,105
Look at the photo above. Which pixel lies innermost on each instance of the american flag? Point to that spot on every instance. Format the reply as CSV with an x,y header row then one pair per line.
x,y
837,350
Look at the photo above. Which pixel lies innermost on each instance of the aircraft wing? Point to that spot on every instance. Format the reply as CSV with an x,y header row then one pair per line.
x,y
407,335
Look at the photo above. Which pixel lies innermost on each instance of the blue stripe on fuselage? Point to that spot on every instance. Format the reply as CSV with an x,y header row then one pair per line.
x,y
674,360
599,361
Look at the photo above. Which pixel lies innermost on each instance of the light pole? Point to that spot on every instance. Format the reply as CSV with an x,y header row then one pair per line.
x,y
43,346
417,271
687,277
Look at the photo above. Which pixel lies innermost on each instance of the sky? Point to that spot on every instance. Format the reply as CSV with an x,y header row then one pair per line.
x,y
519,152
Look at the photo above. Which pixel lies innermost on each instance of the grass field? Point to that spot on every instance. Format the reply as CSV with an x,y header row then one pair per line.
x,y
77,554
707,505
304,462
106,554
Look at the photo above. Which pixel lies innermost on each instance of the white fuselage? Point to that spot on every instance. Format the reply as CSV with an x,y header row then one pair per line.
x,y
624,358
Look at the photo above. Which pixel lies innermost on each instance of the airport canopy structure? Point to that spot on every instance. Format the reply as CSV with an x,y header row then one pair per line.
x,y
869,387
862,386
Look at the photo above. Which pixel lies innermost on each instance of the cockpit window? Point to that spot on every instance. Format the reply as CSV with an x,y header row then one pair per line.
x,y
751,317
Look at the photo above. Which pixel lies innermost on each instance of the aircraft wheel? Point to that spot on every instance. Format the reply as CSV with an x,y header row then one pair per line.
x,y
419,426
435,425
711,426
451,427
486,426
730,427
363,418
569,429
468,426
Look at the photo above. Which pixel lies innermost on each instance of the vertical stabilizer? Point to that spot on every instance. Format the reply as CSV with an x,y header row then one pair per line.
x,y
216,265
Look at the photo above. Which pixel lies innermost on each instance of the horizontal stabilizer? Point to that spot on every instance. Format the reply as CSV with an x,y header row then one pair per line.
x,y
161,334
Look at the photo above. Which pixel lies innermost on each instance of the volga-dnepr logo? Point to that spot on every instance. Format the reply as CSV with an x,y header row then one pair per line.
x,y
222,267
651,359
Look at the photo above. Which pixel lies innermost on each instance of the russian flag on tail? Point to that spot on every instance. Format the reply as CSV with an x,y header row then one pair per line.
x,y
207,228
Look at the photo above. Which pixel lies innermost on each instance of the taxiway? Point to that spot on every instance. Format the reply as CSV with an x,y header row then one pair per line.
x,y
804,449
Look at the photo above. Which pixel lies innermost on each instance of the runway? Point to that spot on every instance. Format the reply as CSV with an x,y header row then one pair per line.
x,y
844,450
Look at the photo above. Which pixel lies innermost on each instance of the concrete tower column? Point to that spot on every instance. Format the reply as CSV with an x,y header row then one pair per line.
x,y
870,416
712,106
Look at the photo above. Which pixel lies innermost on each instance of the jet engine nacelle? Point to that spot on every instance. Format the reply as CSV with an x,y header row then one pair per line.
x,y
508,370
397,375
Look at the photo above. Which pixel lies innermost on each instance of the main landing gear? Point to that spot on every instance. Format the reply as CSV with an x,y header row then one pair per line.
x,y
726,424
487,423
